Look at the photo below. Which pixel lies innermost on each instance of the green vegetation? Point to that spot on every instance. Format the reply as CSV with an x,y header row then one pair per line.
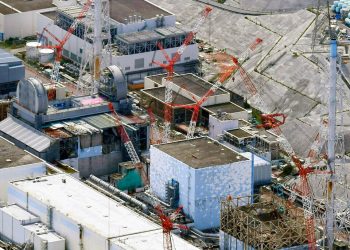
x,y
221,1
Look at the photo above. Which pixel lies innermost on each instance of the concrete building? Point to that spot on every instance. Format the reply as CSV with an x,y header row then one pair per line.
x,y
86,218
206,172
134,37
187,88
18,18
16,164
22,228
78,131
11,72
261,225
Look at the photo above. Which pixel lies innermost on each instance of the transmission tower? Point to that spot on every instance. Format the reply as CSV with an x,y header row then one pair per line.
x,y
96,47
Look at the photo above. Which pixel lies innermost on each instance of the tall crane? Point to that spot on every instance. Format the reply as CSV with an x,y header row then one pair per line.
x,y
169,67
59,47
168,225
223,77
128,145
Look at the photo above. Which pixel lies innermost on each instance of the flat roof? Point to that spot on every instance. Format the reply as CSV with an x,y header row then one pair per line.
x,y
23,5
121,9
239,133
150,240
13,156
139,37
201,152
228,107
51,14
6,10
189,82
159,93
86,206
19,213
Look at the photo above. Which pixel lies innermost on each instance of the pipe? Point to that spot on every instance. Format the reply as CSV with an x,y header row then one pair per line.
x,y
121,194
109,194
204,235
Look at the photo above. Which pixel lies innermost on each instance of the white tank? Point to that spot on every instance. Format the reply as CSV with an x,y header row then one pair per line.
x,y
32,50
46,55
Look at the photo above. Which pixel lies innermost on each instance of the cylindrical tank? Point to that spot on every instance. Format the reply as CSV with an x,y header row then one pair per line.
x,y
32,95
337,9
32,50
46,55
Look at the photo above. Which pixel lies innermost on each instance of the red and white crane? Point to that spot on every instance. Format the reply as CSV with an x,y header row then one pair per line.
x,y
222,78
59,47
168,225
128,145
169,67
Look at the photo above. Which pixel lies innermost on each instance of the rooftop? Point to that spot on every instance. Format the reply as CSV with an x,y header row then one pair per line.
x,y
50,14
81,203
228,107
201,152
140,36
6,10
13,156
190,82
239,133
8,58
24,6
121,9
159,93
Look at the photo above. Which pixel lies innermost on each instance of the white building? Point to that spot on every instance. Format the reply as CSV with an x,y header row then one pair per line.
x,y
18,18
16,164
23,228
206,172
134,37
86,218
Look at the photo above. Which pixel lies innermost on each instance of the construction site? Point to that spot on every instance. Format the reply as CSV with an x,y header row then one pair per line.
x,y
154,124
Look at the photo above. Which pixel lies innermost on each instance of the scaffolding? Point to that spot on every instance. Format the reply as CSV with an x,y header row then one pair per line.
x,y
270,223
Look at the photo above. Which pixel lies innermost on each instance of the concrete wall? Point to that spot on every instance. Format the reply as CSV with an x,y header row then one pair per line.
x,y
217,126
228,242
64,226
21,24
200,189
16,173
125,62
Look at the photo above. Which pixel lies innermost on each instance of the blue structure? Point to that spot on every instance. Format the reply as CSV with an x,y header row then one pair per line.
x,y
11,72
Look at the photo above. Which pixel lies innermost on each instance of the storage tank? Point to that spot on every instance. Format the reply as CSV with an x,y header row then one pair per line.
x,y
32,50
46,55
113,83
347,22
32,95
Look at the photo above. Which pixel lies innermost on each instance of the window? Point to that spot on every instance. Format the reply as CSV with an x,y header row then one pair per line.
x,y
139,63
187,58
127,68
81,50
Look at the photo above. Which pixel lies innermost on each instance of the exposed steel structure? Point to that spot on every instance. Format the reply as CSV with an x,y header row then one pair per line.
x,y
59,47
269,121
128,145
169,67
168,225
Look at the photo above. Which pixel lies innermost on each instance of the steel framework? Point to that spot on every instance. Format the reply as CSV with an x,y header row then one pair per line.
x,y
271,223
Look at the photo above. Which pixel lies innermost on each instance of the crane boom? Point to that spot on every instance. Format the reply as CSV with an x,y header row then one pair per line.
x,y
223,77
128,144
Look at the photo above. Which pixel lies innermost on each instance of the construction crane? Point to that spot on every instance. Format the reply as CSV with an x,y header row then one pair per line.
x,y
269,121
59,47
155,135
169,67
128,145
168,225
222,78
